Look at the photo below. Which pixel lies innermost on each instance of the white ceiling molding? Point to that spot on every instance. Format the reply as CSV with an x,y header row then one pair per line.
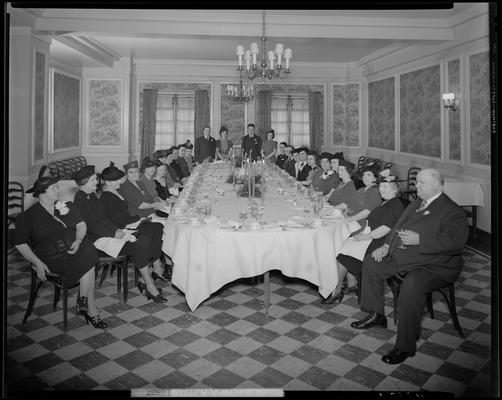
x,y
380,53
472,12
91,48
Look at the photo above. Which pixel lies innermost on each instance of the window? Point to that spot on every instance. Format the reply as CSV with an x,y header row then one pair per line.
x,y
175,119
290,119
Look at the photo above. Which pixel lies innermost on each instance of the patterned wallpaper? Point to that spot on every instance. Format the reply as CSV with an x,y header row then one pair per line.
x,y
381,114
454,117
479,88
105,112
66,111
232,116
38,142
420,108
346,115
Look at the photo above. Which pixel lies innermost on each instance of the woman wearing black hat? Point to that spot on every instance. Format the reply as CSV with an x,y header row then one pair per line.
x,y
56,231
139,201
380,222
325,179
143,247
345,189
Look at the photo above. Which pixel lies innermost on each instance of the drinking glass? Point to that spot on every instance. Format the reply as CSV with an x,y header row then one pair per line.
x,y
317,210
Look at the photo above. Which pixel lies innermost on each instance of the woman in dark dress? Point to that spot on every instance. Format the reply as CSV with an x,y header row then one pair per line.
x,y
345,189
325,179
365,199
161,184
313,163
51,236
139,201
143,246
223,145
269,147
380,222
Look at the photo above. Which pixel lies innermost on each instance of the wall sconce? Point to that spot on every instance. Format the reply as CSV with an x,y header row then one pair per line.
x,y
449,101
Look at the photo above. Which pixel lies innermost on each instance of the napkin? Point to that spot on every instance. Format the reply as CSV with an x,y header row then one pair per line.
x,y
355,248
112,246
353,226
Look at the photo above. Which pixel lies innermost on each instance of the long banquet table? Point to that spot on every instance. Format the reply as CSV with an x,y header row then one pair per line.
x,y
221,249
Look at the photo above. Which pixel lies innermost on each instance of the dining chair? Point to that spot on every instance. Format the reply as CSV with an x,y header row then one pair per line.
x,y
388,165
411,184
447,291
109,264
15,201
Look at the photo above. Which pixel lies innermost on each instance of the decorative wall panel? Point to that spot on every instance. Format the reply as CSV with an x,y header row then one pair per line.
x,y
39,123
346,115
420,108
479,89
454,117
105,112
232,116
381,114
66,111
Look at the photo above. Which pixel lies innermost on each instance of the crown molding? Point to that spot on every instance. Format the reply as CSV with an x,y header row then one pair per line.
x,y
472,12
380,53
91,48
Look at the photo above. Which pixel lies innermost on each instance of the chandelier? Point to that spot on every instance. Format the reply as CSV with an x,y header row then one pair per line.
x,y
265,70
243,92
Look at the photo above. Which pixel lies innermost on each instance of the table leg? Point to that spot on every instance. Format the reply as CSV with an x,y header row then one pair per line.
x,y
474,221
266,277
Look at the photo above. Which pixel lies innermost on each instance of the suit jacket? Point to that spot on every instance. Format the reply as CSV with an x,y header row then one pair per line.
x,y
443,231
135,197
304,172
204,148
281,159
183,167
177,168
289,167
251,147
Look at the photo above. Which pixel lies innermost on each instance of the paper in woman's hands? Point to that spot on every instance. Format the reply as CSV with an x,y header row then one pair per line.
x,y
353,226
134,225
129,235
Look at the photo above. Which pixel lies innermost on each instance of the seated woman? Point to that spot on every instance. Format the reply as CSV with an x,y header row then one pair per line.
x,y
325,179
146,243
51,236
365,199
223,145
139,201
380,222
189,157
313,163
148,177
345,189
161,184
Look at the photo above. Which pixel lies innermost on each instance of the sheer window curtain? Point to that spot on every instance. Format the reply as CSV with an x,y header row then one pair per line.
x,y
149,124
263,112
202,111
315,114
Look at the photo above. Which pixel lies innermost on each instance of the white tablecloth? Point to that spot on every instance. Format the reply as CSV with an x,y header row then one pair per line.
x,y
207,257
464,193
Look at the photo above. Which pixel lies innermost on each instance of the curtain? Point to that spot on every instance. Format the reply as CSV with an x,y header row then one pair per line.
x,y
149,124
263,112
315,119
202,112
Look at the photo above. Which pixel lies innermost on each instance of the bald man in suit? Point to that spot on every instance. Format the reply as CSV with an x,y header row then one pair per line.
x,y
434,231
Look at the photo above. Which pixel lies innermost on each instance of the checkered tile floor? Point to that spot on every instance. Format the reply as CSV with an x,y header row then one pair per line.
x,y
228,342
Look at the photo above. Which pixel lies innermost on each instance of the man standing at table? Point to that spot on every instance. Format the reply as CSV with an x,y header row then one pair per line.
x,y
251,144
205,146
433,230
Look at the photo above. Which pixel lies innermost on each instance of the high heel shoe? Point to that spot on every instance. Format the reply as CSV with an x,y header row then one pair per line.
x,y
331,299
141,286
82,304
96,321
157,299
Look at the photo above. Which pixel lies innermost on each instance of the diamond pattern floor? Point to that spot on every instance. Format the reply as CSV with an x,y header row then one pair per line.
x,y
228,342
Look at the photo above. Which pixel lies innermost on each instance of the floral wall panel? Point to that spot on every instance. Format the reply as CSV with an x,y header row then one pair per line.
x,y
381,114
105,112
420,112
232,116
66,111
346,115
38,142
454,116
479,88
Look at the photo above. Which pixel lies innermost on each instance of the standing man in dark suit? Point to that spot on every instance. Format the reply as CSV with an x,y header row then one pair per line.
x,y
251,144
205,146
433,230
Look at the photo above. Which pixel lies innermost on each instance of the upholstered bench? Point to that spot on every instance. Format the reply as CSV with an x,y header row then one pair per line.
x,y
65,168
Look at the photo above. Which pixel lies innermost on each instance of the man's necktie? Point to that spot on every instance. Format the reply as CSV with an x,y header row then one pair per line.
x,y
422,206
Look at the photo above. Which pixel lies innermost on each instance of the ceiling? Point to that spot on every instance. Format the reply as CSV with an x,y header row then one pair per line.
x,y
97,38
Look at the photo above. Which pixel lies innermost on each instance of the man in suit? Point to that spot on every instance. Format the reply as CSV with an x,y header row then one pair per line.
x,y
282,157
302,169
182,162
289,164
251,144
205,146
433,230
